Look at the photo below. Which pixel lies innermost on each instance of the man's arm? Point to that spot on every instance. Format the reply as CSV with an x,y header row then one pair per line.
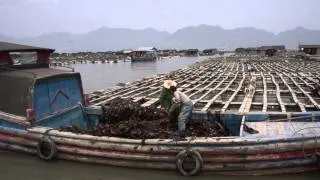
x,y
162,97
177,96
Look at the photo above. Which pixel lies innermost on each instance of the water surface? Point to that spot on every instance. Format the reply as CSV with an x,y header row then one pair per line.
x,y
101,76
15,166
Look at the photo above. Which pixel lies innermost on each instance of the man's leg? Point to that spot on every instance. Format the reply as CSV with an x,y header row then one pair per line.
x,y
190,104
184,116
173,114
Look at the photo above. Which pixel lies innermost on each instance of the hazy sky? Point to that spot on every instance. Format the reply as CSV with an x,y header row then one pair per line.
x,y
21,18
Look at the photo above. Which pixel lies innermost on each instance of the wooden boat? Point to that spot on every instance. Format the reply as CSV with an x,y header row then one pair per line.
x,y
39,101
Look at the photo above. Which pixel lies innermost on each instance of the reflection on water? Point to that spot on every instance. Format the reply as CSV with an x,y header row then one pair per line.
x,y
144,66
102,76
16,166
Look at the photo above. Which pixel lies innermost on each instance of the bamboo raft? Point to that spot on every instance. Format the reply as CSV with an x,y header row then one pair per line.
x,y
280,107
219,85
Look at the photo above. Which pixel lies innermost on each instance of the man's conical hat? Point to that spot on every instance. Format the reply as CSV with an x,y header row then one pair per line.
x,y
168,83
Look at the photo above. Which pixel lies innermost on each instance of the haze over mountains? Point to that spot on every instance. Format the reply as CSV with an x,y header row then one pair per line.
x,y
202,36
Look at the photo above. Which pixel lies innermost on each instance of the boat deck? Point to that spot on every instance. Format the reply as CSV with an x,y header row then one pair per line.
x,y
289,129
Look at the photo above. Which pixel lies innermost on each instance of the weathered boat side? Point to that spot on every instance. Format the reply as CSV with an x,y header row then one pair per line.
x,y
221,155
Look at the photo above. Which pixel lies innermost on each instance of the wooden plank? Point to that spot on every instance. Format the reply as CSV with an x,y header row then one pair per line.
x,y
246,104
283,109
265,99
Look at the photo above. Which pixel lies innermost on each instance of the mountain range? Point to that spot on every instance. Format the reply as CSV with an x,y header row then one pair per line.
x,y
202,36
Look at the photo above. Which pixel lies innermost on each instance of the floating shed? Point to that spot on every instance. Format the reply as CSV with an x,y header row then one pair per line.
x,y
276,47
144,54
262,50
209,52
310,49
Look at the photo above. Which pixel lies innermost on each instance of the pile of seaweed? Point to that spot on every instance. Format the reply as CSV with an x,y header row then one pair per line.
x,y
128,119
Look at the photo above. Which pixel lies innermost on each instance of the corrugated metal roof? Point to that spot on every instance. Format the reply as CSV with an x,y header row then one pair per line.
x,y
6,46
309,46
146,49
127,51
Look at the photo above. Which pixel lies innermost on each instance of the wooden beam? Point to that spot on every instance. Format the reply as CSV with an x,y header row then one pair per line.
x,y
265,98
282,106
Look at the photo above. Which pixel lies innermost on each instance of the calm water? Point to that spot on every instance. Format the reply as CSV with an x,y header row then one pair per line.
x,y
101,76
16,166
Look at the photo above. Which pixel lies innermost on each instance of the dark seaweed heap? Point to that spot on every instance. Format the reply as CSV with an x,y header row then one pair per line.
x,y
127,119
119,110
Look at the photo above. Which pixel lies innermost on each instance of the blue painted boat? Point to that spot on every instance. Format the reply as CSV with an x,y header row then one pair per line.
x,y
36,100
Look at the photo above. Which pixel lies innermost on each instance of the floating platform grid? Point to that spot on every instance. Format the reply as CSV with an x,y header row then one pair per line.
x,y
282,86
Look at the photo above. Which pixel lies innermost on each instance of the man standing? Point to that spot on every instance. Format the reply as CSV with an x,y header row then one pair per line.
x,y
186,109
165,100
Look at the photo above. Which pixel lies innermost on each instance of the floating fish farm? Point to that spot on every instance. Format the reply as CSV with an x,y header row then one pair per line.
x,y
275,86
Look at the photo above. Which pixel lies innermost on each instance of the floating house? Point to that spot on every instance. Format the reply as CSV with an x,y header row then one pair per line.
x,y
191,52
144,54
167,52
262,50
276,47
209,52
310,49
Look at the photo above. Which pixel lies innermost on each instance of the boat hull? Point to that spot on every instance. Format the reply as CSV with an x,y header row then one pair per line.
x,y
229,155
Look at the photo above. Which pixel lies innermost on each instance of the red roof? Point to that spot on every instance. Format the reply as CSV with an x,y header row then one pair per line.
x,y
12,47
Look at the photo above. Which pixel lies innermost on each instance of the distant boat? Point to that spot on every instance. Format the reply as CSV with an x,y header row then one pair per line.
x,y
144,54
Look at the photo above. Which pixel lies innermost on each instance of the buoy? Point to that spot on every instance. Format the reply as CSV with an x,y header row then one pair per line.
x,y
46,148
189,162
